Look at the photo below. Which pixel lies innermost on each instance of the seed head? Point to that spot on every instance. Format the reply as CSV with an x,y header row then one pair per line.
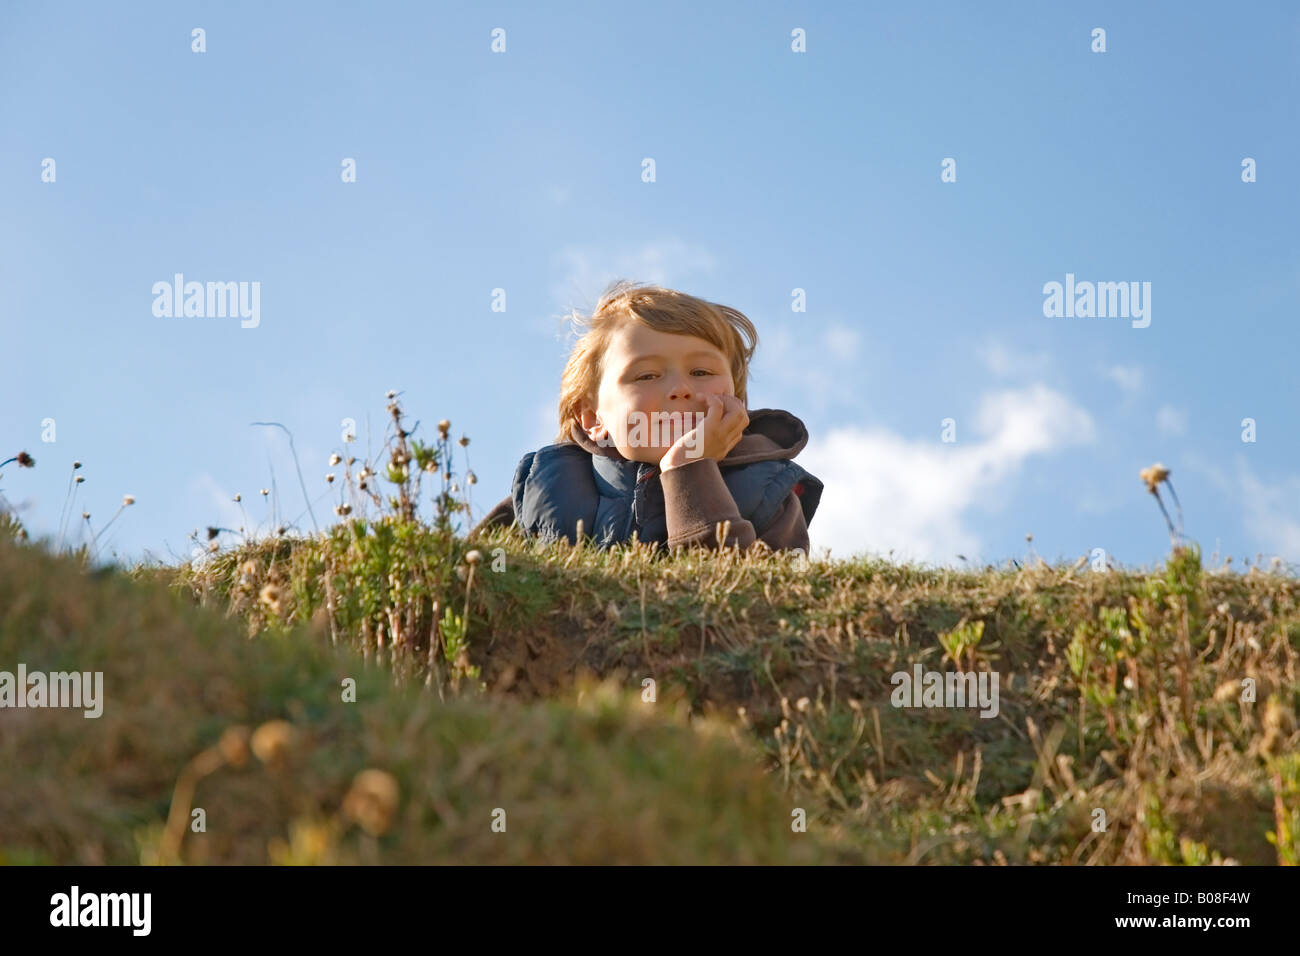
x,y
233,745
471,478
80,479
271,742
86,515
473,557
372,802
265,492
1152,476
329,479
271,597
1226,691
238,496
213,532
391,395
444,427
128,500
464,441
25,460
76,465
335,459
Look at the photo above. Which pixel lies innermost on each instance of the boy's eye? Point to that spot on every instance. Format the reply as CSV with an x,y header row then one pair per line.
x,y
698,371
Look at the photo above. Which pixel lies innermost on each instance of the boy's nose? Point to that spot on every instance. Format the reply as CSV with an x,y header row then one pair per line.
x,y
679,389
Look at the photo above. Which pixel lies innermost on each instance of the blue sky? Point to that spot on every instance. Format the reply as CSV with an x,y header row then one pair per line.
x,y
775,170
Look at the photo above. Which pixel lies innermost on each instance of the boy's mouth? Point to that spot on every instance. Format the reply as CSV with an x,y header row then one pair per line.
x,y
661,429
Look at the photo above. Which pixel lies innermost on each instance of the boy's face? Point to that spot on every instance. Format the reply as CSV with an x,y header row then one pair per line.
x,y
649,375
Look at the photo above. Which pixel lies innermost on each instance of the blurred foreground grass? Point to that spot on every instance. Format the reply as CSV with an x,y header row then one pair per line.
x,y
257,734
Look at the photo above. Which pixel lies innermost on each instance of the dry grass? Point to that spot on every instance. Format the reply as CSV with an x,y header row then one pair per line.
x,y
257,734
1120,692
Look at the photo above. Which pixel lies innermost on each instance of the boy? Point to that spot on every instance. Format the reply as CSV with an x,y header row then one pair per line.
x,y
655,439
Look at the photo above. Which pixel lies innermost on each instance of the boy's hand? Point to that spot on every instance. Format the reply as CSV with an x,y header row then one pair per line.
x,y
714,437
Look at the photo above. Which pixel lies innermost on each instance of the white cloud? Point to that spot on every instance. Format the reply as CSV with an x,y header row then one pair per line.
x,y
223,511
842,342
218,508
587,270
546,422
1171,421
1000,360
792,367
1272,513
884,491
1127,377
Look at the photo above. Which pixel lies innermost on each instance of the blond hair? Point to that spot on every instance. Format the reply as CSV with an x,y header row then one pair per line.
x,y
663,310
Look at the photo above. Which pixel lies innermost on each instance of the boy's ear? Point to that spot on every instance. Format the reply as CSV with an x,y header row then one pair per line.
x,y
590,422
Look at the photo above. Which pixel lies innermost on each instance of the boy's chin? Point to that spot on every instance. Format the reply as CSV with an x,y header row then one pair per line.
x,y
651,456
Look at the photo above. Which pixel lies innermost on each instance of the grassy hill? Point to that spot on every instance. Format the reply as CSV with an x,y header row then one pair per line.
x,y
624,705
257,734
1123,694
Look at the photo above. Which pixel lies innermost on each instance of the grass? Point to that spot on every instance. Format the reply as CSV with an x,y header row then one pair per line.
x,y
1120,693
259,736
1145,717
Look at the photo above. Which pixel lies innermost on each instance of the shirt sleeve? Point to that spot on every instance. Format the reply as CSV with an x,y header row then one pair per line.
x,y
697,500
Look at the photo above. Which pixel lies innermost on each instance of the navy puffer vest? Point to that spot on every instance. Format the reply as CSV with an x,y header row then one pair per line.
x,y
556,486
